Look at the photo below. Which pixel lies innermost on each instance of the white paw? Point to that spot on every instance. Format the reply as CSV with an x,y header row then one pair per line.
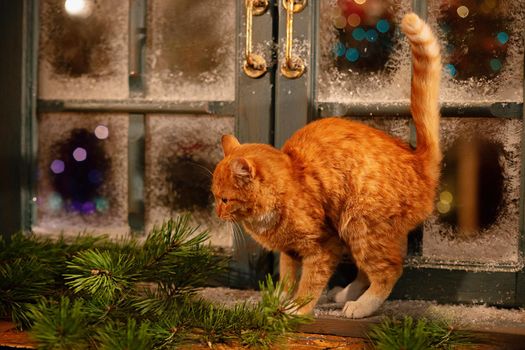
x,y
361,308
333,293
350,292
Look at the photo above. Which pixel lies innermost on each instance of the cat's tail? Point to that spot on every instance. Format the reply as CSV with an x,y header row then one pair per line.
x,y
426,77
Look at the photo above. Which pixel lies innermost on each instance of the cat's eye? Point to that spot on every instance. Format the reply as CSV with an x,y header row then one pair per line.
x,y
224,200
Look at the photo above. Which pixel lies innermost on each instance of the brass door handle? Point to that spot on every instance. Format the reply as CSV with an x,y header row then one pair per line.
x,y
293,67
254,65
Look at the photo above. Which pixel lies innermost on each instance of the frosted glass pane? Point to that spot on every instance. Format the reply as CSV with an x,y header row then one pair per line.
x,y
181,154
477,209
82,173
363,55
482,47
191,49
83,49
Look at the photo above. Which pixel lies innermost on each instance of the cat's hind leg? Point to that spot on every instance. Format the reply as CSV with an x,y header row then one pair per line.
x,y
380,255
352,291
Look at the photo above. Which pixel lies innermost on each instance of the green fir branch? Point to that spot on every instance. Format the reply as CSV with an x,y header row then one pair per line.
x,y
92,293
61,325
102,274
422,334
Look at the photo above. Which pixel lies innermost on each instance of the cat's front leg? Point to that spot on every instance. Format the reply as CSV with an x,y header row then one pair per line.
x,y
288,267
317,270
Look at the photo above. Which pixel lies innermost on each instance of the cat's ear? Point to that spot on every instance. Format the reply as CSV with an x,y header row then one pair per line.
x,y
229,143
243,170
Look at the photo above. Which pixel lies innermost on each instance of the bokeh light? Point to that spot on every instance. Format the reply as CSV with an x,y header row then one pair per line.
x,y
339,49
352,54
80,154
102,132
462,11
443,207
354,20
84,178
359,34
55,202
101,204
495,64
502,38
451,69
340,22
476,39
383,26
79,8
369,34
57,166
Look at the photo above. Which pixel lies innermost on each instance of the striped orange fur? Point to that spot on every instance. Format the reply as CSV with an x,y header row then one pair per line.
x,y
339,184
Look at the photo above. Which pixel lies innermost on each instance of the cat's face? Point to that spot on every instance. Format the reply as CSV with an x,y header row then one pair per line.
x,y
238,186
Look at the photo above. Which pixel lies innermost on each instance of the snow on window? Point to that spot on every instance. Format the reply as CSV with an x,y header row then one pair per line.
x,y
181,154
191,50
363,55
82,173
482,45
477,206
83,49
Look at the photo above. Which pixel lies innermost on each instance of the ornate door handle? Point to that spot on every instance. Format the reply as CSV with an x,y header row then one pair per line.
x,y
293,66
254,65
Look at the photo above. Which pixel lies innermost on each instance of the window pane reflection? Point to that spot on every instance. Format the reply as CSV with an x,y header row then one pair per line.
x,y
482,48
191,49
477,206
181,154
363,55
83,49
82,173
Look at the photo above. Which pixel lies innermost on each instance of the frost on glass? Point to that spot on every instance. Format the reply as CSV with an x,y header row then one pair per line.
x,y
82,173
396,127
181,154
482,48
83,50
363,55
191,49
477,206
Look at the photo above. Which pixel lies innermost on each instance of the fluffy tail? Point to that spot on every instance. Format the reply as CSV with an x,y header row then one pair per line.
x,y
424,106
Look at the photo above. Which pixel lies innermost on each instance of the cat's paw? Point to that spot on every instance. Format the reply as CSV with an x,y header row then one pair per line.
x,y
351,292
361,308
333,293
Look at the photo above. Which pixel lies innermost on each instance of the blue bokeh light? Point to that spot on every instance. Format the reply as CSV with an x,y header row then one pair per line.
x,y
358,34
352,54
503,38
451,69
383,26
339,49
495,64
372,35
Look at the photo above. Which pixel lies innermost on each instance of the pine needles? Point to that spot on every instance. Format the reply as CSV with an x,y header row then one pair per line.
x,y
419,334
92,293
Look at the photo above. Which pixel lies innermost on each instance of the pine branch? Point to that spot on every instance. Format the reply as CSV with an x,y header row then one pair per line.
x,y
103,274
61,325
417,335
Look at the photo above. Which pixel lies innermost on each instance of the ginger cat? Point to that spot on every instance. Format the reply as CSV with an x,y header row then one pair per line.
x,y
338,183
